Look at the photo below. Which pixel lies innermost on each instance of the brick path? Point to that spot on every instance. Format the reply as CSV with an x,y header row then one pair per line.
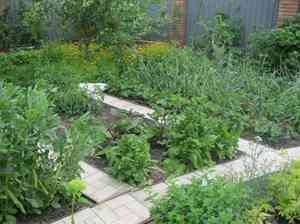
x,y
119,203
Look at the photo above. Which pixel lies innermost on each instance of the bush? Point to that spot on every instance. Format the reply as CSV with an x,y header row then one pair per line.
x,y
14,34
37,156
284,188
129,159
198,135
220,36
203,202
281,46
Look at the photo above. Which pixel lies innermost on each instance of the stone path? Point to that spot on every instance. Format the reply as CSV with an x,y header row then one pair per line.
x,y
119,203
100,186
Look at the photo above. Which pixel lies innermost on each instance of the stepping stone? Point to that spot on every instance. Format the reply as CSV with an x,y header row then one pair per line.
x,y
122,210
100,186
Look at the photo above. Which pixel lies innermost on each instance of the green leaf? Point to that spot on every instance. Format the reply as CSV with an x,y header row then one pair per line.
x,y
10,219
15,200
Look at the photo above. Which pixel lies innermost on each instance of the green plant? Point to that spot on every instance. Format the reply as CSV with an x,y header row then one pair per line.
x,y
38,156
75,188
284,188
104,21
197,135
221,35
204,202
129,159
279,47
14,34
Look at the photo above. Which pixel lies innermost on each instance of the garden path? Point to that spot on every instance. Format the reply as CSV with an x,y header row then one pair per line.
x,y
119,203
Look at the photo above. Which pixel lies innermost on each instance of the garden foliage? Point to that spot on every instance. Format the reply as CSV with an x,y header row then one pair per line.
x,y
204,202
38,156
274,199
129,159
280,47
196,134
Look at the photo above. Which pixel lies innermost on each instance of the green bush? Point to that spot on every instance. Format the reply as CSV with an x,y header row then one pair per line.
x,y
14,34
129,159
37,155
221,35
284,188
204,202
281,46
198,135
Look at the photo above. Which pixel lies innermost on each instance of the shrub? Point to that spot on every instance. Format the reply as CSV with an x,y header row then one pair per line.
x,y
204,202
14,33
280,47
198,135
37,156
284,188
220,35
129,159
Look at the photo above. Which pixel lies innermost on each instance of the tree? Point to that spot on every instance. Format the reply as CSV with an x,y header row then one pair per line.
x,y
107,22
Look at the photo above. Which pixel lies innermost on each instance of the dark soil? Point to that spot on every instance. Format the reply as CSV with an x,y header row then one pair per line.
x,y
110,115
99,163
51,215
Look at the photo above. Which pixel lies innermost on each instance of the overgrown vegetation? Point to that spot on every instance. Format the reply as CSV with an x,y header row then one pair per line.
x,y
220,201
204,202
280,47
204,96
196,134
15,33
38,156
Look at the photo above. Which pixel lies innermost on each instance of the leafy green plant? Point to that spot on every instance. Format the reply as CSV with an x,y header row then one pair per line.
x,y
284,189
129,159
38,156
280,47
197,135
205,202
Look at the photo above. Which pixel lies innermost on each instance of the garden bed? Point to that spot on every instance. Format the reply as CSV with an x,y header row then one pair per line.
x,y
112,117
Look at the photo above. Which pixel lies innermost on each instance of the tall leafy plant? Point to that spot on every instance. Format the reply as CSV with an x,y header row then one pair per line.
x,y
37,155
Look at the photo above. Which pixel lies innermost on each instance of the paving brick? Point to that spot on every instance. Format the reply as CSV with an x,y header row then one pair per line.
x,y
102,187
106,214
82,216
